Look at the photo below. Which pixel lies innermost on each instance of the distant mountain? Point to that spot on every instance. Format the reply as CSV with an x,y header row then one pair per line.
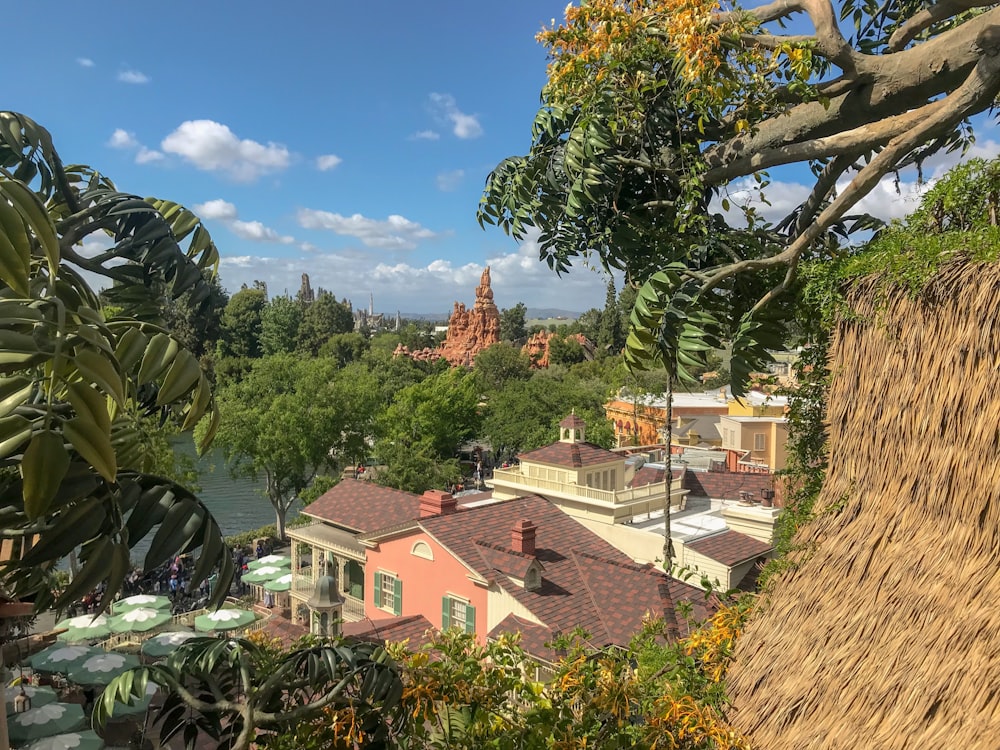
x,y
534,313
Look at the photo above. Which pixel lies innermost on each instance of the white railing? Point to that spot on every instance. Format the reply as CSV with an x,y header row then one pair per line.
x,y
612,497
354,609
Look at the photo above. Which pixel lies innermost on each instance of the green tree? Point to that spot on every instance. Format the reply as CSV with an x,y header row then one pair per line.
x,y
611,334
290,419
322,319
78,386
512,323
280,321
430,419
652,109
195,319
565,350
345,347
241,324
497,364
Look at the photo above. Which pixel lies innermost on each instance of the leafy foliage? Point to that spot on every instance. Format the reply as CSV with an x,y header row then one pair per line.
x,y
76,386
512,323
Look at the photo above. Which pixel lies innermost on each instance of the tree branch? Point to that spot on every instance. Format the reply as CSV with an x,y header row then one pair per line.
x,y
765,13
927,17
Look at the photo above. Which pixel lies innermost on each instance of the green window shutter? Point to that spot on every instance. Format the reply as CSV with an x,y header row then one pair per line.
x,y
470,619
445,613
378,589
397,589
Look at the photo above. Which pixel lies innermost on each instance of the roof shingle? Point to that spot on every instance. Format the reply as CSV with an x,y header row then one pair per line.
x,y
573,455
364,506
730,547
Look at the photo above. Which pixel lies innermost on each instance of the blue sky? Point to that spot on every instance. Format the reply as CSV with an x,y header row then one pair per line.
x,y
349,141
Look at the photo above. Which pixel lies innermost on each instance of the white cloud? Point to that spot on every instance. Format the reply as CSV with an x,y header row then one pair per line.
x,y
446,109
327,162
84,62
216,209
122,139
425,135
394,233
133,76
257,232
518,276
148,155
212,146
448,181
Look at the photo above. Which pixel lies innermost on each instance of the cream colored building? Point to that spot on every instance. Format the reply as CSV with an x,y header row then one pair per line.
x,y
758,442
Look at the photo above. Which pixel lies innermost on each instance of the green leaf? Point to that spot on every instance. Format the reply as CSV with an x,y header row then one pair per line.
x,y
74,525
178,527
181,377
42,470
99,370
90,405
34,213
93,445
14,431
159,354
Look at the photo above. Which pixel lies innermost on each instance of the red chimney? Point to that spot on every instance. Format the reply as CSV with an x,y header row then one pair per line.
x,y
522,537
436,503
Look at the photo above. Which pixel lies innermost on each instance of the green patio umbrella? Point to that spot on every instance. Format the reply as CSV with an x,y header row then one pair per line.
x,y
101,668
138,620
39,695
84,628
45,721
224,619
280,584
141,600
277,561
59,657
265,573
164,644
85,740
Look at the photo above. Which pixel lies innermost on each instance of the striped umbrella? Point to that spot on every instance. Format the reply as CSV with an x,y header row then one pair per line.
x,y
278,561
141,600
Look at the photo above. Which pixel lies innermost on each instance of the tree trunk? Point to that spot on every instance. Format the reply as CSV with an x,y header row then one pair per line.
x,y
668,545
279,521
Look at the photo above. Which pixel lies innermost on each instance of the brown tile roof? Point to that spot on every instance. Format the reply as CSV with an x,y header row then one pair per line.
x,y
534,637
652,474
413,628
573,455
730,547
573,422
586,582
364,506
284,630
505,560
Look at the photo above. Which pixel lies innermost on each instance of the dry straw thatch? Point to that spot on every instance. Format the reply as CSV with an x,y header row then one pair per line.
x,y
888,634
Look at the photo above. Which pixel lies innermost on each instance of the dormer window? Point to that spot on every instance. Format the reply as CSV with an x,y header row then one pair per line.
x,y
533,579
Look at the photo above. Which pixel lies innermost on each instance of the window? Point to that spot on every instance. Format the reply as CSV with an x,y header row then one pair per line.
x,y
457,613
388,593
759,441
422,549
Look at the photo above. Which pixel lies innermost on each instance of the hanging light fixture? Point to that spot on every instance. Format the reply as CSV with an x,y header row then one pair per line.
x,y
22,702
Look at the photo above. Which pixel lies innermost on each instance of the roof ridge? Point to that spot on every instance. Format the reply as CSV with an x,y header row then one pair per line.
x,y
501,548
574,555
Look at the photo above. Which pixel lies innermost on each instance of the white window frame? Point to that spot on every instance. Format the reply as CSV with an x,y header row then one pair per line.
x,y
388,590
760,441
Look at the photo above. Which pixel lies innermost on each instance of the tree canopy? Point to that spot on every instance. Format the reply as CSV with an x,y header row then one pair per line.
x,y
654,108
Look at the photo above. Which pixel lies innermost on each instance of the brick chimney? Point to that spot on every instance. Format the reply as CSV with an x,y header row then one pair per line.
x,y
522,537
436,503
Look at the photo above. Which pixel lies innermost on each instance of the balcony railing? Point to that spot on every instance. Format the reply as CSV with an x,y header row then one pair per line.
x,y
608,497
354,608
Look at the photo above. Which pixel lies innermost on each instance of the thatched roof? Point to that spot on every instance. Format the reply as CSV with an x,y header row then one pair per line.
x,y
888,634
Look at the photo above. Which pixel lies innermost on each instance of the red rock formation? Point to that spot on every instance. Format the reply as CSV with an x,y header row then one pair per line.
x,y
471,331
419,355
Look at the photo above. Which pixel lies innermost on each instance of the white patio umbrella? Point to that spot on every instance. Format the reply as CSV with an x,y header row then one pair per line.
x,y
280,561
45,721
224,619
153,601
139,619
85,740
164,644
100,669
